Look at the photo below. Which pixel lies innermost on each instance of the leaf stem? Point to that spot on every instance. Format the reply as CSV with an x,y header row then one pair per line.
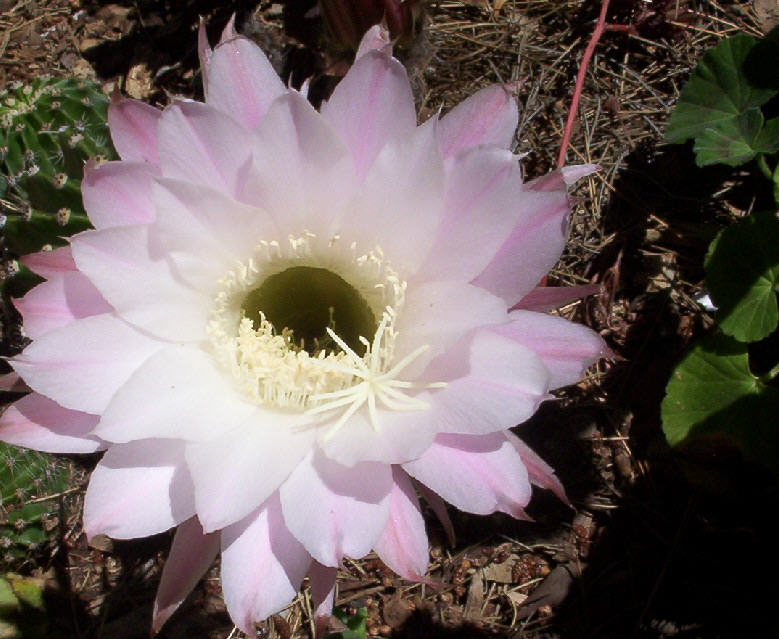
x,y
770,375
762,164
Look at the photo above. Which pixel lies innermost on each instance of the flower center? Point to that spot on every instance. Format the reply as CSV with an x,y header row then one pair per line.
x,y
310,325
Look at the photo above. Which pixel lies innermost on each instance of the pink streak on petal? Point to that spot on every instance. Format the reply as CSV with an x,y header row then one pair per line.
x,y
263,566
133,126
241,80
546,298
403,544
49,263
58,302
191,555
438,506
335,510
540,473
118,193
376,38
36,422
372,106
139,489
322,579
567,349
487,117
477,474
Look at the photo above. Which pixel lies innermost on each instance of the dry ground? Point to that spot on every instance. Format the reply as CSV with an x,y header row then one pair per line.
x,y
658,543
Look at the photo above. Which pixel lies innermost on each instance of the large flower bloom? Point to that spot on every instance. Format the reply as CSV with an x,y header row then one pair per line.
x,y
286,323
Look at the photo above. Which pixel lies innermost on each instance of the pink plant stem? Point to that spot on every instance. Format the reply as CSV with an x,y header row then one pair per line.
x,y
577,92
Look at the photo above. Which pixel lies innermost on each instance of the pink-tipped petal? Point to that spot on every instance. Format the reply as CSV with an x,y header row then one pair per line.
x,y
403,191
483,186
567,349
403,544
58,302
322,581
130,268
229,32
546,298
204,53
480,475
377,38
438,506
239,470
82,365
533,247
178,393
241,81
191,555
202,145
36,422
263,566
487,117
504,384
133,126
334,510
49,263
371,107
118,193
540,473
139,489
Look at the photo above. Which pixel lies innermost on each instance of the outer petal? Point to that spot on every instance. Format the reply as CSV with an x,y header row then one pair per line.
x,y
139,489
49,263
36,422
263,566
303,171
567,349
241,469
487,117
322,579
178,393
133,126
241,82
533,247
191,228
118,193
504,385
479,474
58,302
541,474
12,383
334,510
191,554
82,365
202,145
130,268
399,205
546,298
483,186
403,544
377,38
372,106
204,53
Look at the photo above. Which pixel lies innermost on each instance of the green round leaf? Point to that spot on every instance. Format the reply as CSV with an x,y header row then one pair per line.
x,y
712,390
737,140
742,274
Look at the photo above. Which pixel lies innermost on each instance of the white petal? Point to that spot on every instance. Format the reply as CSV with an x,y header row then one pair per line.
x,y
263,566
178,393
241,469
118,193
82,365
139,489
334,510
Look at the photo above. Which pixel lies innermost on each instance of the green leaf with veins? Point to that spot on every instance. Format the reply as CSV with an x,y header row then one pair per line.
x,y
718,91
712,390
742,275
737,140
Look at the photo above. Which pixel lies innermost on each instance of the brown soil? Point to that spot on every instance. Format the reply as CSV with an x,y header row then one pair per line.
x,y
659,543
